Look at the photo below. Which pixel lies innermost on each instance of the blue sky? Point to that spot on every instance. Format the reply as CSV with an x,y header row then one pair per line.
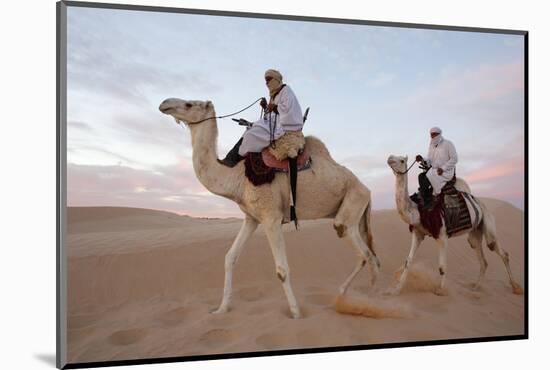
x,y
373,91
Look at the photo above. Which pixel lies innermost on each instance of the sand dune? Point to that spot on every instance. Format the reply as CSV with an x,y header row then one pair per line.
x,y
141,284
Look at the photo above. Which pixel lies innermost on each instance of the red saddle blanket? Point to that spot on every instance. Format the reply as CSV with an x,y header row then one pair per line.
x,y
449,207
260,168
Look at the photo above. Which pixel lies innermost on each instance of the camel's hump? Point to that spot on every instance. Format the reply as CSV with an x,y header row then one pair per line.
x,y
316,147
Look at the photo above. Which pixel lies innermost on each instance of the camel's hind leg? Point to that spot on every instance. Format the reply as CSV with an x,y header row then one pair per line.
x,y
274,232
475,238
363,253
248,227
516,288
489,231
347,224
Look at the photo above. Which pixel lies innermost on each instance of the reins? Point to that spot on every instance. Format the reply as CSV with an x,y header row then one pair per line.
x,y
227,115
404,173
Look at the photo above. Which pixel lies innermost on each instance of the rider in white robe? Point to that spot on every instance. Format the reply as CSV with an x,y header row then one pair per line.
x,y
287,117
282,114
442,159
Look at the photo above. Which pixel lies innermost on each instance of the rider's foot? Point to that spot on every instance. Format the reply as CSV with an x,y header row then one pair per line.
x,y
415,198
230,162
233,157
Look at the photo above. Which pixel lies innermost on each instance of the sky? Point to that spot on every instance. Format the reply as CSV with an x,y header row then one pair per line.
x,y
372,91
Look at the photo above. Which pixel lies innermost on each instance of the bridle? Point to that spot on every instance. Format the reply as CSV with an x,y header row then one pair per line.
x,y
227,115
404,173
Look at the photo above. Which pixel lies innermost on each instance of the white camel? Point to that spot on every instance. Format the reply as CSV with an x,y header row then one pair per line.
x,y
409,213
327,190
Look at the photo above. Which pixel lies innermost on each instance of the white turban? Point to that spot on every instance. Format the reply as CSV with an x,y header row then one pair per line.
x,y
435,130
435,141
276,82
273,73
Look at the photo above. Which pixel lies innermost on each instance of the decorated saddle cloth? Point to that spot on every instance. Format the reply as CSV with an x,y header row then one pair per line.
x,y
459,210
260,168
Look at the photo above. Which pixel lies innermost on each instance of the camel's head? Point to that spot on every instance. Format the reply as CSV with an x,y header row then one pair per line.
x,y
188,111
398,164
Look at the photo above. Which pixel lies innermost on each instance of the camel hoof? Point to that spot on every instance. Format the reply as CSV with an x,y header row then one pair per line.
x,y
441,291
296,314
372,281
219,311
516,289
392,292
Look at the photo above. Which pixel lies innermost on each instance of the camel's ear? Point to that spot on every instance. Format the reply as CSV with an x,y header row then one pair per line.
x,y
208,104
406,159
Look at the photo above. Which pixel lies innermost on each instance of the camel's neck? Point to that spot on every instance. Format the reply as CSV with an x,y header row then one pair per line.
x,y
216,177
405,206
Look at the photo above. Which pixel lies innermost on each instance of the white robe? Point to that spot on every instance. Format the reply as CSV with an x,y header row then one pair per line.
x,y
290,118
441,156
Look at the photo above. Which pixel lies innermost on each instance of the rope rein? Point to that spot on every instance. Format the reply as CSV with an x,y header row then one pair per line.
x,y
227,115
404,173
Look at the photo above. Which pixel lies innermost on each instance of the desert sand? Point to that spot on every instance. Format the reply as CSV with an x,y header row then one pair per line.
x,y
141,284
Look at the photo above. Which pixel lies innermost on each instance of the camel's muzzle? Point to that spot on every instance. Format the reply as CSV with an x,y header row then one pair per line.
x,y
169,105
165,108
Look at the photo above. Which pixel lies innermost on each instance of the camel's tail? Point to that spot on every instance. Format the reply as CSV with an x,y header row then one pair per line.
x,y
366,229
488,226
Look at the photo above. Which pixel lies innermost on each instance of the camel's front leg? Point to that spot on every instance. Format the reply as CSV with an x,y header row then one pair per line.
x,y
248,227
274,232
443,242
415,243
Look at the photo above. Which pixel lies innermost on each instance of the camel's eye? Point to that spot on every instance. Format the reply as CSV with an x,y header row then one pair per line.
x,y
402,161
188,105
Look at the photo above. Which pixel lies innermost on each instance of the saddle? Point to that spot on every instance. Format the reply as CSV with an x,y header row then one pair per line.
x,y
288,154
457,215
303,161
448,206
260,168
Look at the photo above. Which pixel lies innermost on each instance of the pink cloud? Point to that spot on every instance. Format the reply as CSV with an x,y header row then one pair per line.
x,y
496,170
476,86
501,180
171,188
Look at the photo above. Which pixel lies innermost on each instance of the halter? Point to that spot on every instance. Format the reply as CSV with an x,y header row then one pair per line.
x,y
227,115
404,173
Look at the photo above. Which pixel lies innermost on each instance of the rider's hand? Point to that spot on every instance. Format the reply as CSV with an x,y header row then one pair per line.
x,y
419,158
272,108
440,171
263,103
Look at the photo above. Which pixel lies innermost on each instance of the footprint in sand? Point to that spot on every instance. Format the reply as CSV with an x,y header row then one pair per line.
x,y
218,337
127,337
272,341
173,317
